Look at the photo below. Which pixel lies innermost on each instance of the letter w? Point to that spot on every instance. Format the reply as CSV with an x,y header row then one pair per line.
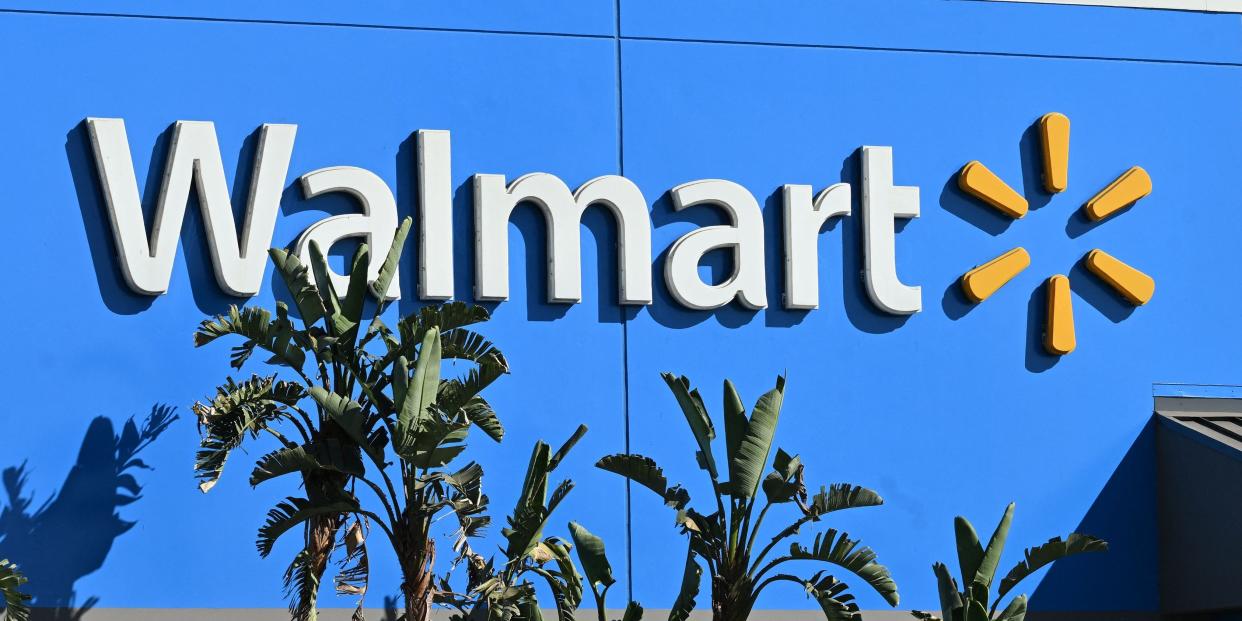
x,y
193,160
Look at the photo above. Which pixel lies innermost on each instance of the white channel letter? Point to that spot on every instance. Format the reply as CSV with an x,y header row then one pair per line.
x,y
193,160
744,236
882,202
377,224
803,219
562,211
435,215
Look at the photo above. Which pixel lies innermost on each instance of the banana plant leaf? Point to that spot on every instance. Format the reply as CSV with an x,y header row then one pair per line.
x,y
969,550
691,578
420,395
996,546
324,453
293,511
844,552
752,453
1015,611
591,555
696,415
1045,554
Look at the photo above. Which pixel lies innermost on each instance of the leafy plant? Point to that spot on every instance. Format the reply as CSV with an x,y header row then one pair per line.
x,y
725,540
428,419
350,394
506,592
978,568
16,603
598,572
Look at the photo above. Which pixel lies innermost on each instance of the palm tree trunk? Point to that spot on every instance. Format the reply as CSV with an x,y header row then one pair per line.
x,y
321,531
320,540
731,598
417,558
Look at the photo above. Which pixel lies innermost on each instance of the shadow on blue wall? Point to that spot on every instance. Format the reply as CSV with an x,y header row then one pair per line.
x,y
116,295
970,210
858,307
1124,515
72,532
1038,359
1089,287
1031,155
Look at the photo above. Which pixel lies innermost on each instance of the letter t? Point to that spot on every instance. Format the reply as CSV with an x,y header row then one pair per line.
x,y
882,202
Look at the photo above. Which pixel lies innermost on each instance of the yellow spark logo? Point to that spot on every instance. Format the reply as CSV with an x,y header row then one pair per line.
x,y
981,282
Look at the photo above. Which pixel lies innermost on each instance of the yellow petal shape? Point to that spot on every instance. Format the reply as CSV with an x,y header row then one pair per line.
x,y
981,183
980,283
1132,185
1054,128
1059,334
1133,285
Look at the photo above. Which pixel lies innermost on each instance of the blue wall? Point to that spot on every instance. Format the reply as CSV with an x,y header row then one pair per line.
x,y
955,410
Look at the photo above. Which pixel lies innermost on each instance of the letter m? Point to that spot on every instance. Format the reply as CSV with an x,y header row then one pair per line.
x,y
146,258
562,212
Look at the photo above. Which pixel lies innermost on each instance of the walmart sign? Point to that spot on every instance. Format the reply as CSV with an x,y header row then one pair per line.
x,y
147,252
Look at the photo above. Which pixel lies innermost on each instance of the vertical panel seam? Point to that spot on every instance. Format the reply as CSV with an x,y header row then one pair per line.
x,y
625,334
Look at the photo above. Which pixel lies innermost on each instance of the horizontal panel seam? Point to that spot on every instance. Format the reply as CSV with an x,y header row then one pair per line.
x,y
278,22
1184,6
868,48
607,37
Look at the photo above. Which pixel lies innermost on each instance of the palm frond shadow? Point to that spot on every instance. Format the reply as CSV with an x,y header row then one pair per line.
x,y
70,534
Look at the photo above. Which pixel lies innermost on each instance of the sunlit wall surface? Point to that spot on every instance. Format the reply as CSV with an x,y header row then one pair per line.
x,y
953,410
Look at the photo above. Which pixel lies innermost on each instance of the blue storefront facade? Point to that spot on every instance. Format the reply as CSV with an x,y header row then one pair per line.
x,y
955,409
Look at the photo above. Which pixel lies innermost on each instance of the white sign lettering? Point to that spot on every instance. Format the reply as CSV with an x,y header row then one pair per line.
x,y
194,161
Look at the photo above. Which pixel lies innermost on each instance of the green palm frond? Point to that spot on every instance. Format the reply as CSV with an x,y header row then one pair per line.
x,y
419,397
334,316
969,550
691,579
16,603
841,496
747,464
445,317
1015,611
238,411
840,550
1048,553
297,279
463,344
992,554
480,412
591,555
293,511
785,483
275,336
321,454
570,590
946,586
835,602
645,472
392,260
356,293
301,586
978,563
696,416
348,416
